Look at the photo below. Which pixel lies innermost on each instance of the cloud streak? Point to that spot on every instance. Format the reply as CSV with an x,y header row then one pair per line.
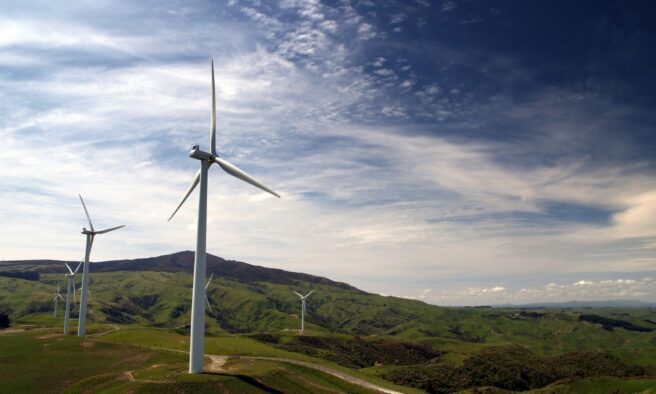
x,y
588,290
394,178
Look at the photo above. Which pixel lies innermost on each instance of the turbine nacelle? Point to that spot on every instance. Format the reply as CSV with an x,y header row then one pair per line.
x,y
198,154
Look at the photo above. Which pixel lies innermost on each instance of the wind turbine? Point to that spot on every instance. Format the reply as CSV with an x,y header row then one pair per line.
x,y
70,288
303,297
79,289
56,298
81,321
197,340
74,289
207,300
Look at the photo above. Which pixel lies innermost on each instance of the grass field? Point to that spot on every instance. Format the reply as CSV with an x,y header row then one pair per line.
x,y
43,361
602,385
228,345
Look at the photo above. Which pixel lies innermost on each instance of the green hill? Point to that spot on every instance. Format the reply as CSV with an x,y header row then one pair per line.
x,y
405,341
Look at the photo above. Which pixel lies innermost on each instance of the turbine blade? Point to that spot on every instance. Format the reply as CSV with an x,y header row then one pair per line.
x,y
208,282
60,296
308,294
213,126
86,212
237,173
78,267
194,182
208,303
109,229
297,294
69,268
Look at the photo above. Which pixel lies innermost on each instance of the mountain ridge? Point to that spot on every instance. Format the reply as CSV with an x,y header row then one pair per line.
x,y
184,261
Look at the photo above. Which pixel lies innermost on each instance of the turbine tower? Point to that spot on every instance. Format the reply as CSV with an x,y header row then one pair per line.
x,y
197,341
81,321
303,297
56,298
70,288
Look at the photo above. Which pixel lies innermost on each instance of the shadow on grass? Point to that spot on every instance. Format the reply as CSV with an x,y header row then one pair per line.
x,y
248,380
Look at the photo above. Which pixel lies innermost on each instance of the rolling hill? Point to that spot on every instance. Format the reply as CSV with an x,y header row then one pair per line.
x,y
405,341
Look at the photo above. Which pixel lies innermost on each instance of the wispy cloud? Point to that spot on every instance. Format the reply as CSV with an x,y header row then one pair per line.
x,y
394,177
582,290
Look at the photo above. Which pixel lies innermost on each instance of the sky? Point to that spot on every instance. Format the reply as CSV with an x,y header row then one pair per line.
x,y
455,152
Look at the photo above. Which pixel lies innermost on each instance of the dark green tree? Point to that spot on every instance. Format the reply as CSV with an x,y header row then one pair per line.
x,y
4,320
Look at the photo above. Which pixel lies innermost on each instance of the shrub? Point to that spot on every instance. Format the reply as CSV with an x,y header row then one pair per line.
x,y
611,324
27,275
4,320
356,352
511,368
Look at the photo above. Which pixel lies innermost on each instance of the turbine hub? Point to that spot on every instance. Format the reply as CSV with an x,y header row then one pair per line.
x,y
198,154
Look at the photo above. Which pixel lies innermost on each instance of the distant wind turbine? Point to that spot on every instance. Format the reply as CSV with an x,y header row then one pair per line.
x,y
70,288
89,292
81,325
197,341
206,286
303,297
56,298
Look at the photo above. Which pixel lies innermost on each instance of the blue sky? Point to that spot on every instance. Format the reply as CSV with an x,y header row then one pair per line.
x,y
458,152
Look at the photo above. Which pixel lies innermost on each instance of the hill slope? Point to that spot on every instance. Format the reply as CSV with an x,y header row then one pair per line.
x,y
345,325
247,298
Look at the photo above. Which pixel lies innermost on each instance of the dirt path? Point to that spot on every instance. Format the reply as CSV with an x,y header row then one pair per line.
x,y
101,333
339,374
217,362
11,331
130,376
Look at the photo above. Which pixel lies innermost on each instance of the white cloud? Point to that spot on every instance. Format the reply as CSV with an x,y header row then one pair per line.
x,y
366,31
448,6
639,219
390,199
582,290
329,26
398,18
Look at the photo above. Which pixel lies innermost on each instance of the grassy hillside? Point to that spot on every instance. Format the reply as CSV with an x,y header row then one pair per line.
x,y
43,361
162,299
254,312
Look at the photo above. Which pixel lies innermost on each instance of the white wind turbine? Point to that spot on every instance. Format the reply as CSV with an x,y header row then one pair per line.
x,y
70,288
81,321
89,292
196,345
303,297
206,286
56,298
